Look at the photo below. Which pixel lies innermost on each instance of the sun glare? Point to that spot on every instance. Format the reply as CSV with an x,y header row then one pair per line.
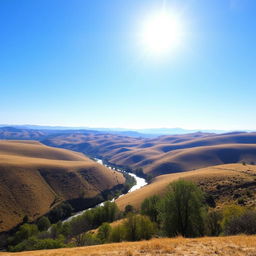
x,y
161,33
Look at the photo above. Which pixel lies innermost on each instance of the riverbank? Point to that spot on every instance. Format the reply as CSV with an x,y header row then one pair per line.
x,y
140,182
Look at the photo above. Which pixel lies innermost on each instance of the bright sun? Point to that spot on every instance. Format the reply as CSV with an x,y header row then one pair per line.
x,y
161,33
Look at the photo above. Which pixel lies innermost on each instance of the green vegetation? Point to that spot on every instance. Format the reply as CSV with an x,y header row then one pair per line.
x,y
186,211
32,243
104,232
33,237
43,223
134,228
183,210
138,227
150,207
60,212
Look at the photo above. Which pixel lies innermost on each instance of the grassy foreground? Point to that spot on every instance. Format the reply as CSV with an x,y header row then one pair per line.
x,y
233,245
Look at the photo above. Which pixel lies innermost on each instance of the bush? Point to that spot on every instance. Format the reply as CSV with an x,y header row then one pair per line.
x,y
243,224
33,243
229,213
60,213
128,209
25,231
138,227
94,218
117,234
90,239
43,223
104,232
213,223
181,212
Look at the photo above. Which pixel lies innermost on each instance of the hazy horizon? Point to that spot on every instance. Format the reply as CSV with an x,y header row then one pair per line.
x,y
138,129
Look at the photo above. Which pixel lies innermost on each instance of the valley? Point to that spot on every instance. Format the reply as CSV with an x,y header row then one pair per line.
x,y
40,170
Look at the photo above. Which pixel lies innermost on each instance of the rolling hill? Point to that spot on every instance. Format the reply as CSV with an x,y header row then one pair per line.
x,y
165,154
156,156
34,178
226,183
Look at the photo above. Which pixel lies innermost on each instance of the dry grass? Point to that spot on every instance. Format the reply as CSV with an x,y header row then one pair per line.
x,y
34,178
166,154
219,246
224,181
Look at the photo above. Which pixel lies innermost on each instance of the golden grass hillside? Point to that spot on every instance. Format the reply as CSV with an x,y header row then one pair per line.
x,y
208,246
165,154
34,178
226,183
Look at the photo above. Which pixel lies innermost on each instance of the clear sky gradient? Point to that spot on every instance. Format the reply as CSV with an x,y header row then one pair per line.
x,y
80,63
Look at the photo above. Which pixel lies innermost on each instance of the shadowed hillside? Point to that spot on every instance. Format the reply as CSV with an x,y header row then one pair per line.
x,y
34,178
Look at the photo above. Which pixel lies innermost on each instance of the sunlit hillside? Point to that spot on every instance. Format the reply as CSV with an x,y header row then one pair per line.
x,y
35,178
224,246
226,183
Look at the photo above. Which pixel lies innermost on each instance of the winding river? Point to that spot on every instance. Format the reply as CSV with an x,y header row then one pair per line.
x,y
140,182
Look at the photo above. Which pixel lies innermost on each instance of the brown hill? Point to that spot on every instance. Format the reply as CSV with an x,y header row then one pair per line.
x,y
223,246
34,178
165,154
161,155
19,134
226,183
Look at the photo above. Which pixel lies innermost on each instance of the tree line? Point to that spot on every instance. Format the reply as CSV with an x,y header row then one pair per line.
x,y
183,210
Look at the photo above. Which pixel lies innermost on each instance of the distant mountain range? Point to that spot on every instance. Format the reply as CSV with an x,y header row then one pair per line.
x,y
149,132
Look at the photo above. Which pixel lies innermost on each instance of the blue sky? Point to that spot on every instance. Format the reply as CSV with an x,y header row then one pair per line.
x,y
80,63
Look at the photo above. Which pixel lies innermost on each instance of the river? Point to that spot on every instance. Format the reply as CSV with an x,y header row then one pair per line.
x,y
140,182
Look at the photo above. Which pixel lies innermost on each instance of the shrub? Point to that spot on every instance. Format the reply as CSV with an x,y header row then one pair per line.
x,y
33,243
213,223
117,234
104,232
128,209
25,231
61,212
43,223
229,213
138,227
245,223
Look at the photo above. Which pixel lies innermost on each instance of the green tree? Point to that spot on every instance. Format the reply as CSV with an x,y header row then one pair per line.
x,y
181,212
110,211
32,243
104,232
25,231
138,227
117,234
43,223
128,209
213,223
149,207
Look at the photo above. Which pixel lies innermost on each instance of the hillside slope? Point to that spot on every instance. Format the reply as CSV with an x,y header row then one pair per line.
x,y
34,178
156,156
226,183
224,246
165,154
